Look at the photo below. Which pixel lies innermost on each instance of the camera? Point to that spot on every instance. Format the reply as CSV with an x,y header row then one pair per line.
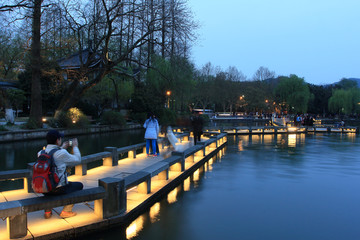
x,y
70,142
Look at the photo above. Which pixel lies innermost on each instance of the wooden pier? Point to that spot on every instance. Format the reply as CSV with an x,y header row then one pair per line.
x,y
126,183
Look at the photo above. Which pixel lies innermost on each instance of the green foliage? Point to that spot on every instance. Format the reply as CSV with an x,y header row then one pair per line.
x,y
139,117
16,97
175,76
320,95
10,98
52,84
3,128
112,118
73,118
113,88
294,92
345,101
166,117
346,84
61,120
30,124
11,53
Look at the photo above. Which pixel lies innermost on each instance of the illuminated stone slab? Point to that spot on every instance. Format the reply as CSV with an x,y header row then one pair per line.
x,y
336,129
320,129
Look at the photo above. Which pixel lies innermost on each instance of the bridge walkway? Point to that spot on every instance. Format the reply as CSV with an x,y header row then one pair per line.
x,y
39,227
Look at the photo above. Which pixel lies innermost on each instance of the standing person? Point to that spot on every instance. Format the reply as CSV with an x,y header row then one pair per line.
x,y
61,158
197,124
152,131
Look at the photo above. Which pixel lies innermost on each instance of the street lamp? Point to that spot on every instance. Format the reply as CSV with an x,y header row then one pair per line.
x,y
168,93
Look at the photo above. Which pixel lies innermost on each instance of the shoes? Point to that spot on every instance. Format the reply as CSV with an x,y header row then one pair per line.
x,y
149,155
64,214
47,215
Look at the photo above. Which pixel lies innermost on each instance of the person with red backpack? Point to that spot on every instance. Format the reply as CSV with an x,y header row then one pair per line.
x,y
56,152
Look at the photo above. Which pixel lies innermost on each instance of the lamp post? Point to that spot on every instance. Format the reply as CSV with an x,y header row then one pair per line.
x,y
168,93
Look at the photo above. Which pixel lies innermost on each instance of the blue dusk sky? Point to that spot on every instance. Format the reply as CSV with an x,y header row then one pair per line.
x,y
318,40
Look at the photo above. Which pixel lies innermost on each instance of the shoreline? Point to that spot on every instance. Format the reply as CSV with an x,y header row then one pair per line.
x,y
21,134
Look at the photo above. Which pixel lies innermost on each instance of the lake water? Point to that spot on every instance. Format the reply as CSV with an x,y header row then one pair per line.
x,y
264,187
16,155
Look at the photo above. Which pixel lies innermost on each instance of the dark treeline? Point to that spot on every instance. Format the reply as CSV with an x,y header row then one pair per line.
x,y
134,55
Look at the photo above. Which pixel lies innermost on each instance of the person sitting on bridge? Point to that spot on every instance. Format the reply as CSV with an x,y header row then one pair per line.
x,y
61,158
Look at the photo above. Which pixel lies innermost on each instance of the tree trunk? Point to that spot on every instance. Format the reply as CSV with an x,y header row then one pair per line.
x,y
76,90
163,29
36,99
116,94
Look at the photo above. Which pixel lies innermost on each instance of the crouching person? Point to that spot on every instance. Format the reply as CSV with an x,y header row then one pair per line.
x,y
60,158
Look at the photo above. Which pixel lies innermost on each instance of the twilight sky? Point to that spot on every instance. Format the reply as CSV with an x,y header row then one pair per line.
x,y
318,40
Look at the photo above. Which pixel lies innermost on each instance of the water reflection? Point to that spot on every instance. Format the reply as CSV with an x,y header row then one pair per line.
x,y
187,184
172,196
135,227
292,140
196,175
154,212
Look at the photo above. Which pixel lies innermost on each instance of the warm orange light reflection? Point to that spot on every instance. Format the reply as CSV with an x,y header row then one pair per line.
x,y
240,146
220,154
292,140
196,175
187,184
135,227
172,196
268,138
154,212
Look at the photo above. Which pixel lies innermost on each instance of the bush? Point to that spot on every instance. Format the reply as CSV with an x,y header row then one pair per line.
x,y
112,118
167,117
3,128
139,117
30,124
73,118
61,120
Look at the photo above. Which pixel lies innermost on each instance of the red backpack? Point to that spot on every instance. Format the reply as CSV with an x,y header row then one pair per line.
x,y
45,178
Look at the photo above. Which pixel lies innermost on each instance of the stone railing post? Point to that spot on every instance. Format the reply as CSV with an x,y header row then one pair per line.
x,y
28,180
17,226
113,159
114,202
132,154
182,163
81,169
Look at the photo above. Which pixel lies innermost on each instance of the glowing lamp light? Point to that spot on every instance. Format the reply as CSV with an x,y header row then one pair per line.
x,y
292,129
168,93
44,119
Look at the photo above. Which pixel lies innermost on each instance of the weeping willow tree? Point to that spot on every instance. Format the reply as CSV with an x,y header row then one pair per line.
x,y
345,101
